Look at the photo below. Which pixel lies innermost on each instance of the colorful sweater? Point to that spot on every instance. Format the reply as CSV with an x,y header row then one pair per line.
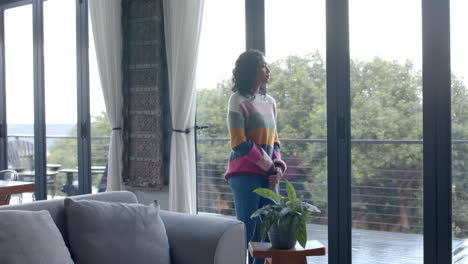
x,y
254,140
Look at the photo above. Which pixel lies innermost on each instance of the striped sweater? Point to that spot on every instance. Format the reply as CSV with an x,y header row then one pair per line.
x,y
254,140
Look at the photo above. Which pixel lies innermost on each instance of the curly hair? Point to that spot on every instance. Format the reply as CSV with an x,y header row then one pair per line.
x,y
244,75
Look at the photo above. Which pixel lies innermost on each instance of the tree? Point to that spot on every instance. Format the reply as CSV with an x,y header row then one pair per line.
x,y
64,151
459,158
386,99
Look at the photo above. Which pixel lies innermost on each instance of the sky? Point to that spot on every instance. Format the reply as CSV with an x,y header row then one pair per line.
x,y
390,29
59,63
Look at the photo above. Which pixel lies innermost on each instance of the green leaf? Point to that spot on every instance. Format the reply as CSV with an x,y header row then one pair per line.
x,y
301,232
258,212
284,211
268,220
285,222
291,192
312,208
269,194
266,209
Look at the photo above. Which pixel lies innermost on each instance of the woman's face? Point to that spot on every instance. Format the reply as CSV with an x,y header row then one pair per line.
x,y
263,72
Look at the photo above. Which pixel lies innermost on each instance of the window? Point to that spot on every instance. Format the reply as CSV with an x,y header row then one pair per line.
x,y
386,131
383,172
60,77
459,65
19,89
63,97
297,60
217,54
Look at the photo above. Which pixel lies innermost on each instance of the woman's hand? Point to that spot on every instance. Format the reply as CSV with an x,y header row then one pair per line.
x,y
275,179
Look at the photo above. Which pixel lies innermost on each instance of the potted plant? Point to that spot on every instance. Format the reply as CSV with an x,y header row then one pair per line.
x,y
285,220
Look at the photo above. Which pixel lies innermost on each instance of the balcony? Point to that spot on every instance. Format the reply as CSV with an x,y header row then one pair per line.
x,y
62,154
387,194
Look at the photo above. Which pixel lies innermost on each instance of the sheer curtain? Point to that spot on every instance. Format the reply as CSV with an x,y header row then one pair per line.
x,y
107,27
182,24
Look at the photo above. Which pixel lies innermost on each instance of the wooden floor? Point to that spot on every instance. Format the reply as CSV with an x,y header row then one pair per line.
x,y
375,247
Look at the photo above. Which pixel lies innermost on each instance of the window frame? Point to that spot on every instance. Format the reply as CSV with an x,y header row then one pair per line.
x,y
437,134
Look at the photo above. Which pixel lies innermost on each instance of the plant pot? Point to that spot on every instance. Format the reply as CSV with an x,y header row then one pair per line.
x,y
282,239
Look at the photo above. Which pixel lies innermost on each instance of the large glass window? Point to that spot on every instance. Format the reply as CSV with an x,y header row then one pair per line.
x,y
62,96
20,93
295,51
60,75
386,131
459,61
385,44
218,52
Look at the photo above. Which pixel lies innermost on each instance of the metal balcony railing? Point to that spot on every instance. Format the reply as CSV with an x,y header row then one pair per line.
x,y
387,181
62,152
99,145
387,190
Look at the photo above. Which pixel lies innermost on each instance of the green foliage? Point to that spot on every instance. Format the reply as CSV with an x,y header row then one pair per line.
x,y
269,194
386,104
64,151
287,212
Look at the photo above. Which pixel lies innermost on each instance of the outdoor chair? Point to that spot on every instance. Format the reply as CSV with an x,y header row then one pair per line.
x,y
20,155
21,159
8,175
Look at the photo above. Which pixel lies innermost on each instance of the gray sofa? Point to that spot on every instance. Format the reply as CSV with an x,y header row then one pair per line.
x,y
193,239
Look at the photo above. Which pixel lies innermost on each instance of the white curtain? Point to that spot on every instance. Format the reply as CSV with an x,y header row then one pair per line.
x,y
106,24
182,24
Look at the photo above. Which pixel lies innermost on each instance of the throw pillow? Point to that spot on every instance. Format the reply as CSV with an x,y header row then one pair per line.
x,y
31,237
104,232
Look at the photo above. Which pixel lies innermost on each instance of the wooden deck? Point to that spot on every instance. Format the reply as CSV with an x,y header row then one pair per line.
x,y
376,247
379,247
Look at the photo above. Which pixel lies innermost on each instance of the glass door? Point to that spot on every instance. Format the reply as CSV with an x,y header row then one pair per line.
x,y
60,75
19,86
386,131
58,98
218,52
459,65
295,43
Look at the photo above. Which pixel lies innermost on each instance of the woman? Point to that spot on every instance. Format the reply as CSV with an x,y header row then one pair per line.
x,y
255,159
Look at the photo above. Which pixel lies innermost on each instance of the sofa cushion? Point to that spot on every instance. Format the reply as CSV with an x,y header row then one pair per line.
x,y
56,207
31,237
102,232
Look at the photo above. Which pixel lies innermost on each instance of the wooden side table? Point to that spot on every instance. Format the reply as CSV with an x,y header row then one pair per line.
x,y
286,256
14,187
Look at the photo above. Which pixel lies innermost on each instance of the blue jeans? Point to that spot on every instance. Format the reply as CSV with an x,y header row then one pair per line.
x,y
246,203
